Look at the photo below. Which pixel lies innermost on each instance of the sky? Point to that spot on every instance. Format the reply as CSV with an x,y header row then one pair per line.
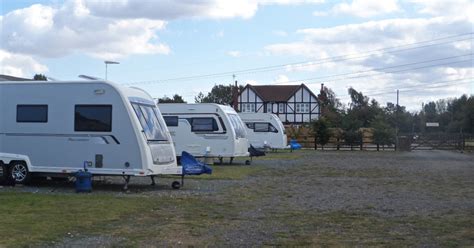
x,y
422,48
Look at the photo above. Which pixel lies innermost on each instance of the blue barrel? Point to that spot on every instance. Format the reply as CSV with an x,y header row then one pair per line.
x,y
83,181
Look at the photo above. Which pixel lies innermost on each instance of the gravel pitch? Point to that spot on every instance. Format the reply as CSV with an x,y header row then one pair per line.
x,y
320,198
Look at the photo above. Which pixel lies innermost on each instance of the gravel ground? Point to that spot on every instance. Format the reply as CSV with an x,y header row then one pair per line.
x,y
316,197
385,185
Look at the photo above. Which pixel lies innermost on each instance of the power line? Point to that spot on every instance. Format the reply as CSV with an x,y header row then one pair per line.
x,y
379,73
403,70
332,59
426,86
320,61
420,85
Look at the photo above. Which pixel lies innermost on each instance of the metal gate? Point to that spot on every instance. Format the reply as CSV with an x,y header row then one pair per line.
x,y
438,141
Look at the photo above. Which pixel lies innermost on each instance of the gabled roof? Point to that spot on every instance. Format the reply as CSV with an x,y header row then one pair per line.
x,y
12,78
276,93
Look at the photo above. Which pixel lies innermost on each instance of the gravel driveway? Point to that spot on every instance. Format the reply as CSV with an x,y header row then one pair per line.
x,y
420,198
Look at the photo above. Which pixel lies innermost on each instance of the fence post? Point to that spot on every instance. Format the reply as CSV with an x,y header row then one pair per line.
x,y
315,144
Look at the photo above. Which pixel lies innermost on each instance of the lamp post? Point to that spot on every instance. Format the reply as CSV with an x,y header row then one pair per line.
x,y
107,62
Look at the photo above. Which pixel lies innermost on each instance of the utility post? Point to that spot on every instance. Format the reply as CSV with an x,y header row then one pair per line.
x,y
235,94
107,62
396,123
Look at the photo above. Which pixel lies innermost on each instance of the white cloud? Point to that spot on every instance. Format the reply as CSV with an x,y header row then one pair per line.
x,y
281,79
234,54
324,45
293,2
445,8
252,82
20,65
174,9
366,8
52,32
111,29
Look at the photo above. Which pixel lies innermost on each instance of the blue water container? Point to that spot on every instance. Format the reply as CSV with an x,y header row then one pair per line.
x,y
83,180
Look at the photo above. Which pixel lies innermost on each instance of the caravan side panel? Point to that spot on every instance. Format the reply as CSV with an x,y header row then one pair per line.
x,y
60,144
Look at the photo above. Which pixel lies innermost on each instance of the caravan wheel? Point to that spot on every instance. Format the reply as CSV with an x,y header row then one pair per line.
x,y
19,171
176,185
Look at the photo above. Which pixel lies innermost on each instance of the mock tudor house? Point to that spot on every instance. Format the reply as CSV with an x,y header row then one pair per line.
x,y
294,104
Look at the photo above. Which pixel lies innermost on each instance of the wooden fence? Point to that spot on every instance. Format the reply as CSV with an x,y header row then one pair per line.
x,y
427,141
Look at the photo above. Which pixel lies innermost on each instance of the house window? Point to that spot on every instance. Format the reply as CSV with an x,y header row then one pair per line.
x,y
32,113
302,108
93,118
281,107
248,107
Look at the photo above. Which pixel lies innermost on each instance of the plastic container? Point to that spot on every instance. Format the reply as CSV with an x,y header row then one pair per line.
x,y
83,181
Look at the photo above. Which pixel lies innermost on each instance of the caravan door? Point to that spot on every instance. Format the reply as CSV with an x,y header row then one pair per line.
x,y
155,132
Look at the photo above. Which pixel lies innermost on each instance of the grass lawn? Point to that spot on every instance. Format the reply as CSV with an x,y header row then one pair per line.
x,y
29,218
33,219
267,207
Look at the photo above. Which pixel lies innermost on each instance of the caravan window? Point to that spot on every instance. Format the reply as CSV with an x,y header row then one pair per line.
x,y
93,118
238,126
171,121
204,124
148,117
32,113
249,125
265,127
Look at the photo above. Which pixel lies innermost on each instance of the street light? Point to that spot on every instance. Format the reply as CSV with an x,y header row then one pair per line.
x,y
107,62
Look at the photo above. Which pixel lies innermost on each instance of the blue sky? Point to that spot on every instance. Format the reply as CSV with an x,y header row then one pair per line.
x,y
423,48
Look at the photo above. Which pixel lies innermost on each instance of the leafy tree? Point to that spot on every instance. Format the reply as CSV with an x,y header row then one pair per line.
x,y
321,129
199,98
384,134
40,77
331,107
220,94
430,112
176,99
358,100
352,137
360,109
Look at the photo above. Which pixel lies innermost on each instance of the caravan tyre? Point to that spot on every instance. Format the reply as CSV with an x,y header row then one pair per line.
x,y
176,185
19,171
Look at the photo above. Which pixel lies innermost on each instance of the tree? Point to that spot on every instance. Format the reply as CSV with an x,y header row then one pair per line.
x,y
358,100
352,137
40,77
360,109
199,98
176,99
384,134
220,94
330,106
321,129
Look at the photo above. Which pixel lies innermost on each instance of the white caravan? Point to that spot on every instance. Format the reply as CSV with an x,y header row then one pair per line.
x,y
265,130
206,129
63,126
